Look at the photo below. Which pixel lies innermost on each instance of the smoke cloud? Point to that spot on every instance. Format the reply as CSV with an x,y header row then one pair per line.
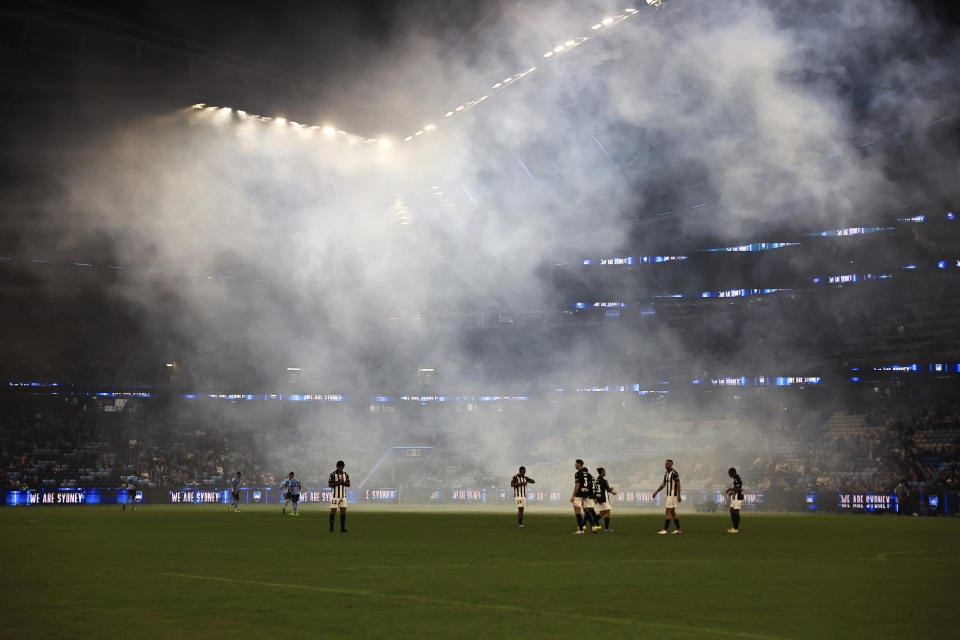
x,y
255,246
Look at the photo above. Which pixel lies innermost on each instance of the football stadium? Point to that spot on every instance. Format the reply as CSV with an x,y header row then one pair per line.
x,y
452,318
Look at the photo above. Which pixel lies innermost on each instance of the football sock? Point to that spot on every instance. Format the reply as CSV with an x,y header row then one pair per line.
x,y
343,520
333,516
606,523
520,518
676,521
736,521
666,524
579,521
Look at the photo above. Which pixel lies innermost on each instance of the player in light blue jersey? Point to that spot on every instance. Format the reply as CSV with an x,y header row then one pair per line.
x,y
291,493
235,493
130,484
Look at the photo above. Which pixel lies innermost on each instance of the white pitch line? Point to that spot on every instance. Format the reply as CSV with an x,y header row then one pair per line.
x,y
906,552
535,563
472,605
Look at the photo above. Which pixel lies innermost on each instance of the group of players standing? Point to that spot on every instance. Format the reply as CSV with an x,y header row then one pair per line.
x,y
338,481
591,501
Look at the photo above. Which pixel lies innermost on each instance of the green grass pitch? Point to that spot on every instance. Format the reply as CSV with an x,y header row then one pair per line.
x,y
199,571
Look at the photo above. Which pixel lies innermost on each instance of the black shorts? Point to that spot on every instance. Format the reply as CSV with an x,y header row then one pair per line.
x,y
294,497
132,494
235,495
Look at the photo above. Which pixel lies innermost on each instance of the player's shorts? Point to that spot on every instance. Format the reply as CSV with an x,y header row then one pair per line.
x,y
131,494
584,503
672,502
338,502
736,504
521,501
601,507
235,495
294,497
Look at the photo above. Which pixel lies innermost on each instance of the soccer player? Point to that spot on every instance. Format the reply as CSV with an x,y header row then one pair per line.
x,y
736,499
339,481
291,493
671,480
235,493
601,488
519,483
130,484
582,497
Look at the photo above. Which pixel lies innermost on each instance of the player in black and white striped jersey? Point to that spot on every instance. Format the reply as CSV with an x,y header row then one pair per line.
x,y
602,490
736,499
671,481
582,498
339,481
519,483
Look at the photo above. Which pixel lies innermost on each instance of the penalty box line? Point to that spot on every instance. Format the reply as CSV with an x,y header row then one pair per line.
x,y
458,603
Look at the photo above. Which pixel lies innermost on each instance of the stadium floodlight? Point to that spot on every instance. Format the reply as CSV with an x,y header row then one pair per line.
x,y
429,127
408,139
328,130
226,109
548,54
200,105
558,48
597,26
652,3
448,114
460,108
281,120
607,21
630,10
569,43
384,142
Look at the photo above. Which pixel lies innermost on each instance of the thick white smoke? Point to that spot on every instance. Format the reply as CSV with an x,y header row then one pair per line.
x,y
285,246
